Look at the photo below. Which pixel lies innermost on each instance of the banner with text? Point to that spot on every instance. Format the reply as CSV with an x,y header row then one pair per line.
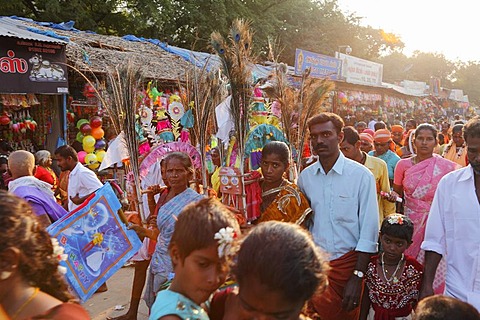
x,y
360,71
29,66
321,66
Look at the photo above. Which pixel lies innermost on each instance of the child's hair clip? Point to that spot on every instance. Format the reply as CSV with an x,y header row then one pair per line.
x,y
396,218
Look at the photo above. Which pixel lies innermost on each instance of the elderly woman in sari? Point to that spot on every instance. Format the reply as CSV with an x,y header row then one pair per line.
x,y
416,180
281,199
179,171
44,172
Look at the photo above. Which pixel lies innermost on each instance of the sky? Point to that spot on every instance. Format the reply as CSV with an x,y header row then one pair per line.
x,y
441,26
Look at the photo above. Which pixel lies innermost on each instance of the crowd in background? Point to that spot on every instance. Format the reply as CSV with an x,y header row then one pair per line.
x,y
384,216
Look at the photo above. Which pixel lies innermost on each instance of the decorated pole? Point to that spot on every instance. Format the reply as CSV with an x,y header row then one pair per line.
x,y
236,58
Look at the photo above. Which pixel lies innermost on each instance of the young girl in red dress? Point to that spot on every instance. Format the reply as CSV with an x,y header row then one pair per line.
x,y
393,279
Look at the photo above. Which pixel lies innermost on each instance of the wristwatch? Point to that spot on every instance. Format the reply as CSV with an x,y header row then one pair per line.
x,y
358,273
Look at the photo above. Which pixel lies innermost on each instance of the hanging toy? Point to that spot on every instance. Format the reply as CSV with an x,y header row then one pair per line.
x,y
89,91
4,119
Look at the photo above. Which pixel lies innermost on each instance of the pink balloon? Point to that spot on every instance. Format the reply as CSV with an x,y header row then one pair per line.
x,y
81,156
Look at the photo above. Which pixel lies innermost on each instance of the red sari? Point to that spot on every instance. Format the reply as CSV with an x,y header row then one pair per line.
x,y
47,175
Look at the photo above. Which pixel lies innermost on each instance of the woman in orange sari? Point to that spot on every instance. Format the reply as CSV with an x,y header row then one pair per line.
x,y
281,199
416,180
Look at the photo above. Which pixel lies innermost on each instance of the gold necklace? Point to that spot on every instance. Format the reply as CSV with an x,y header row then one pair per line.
x,y
393,277
34,294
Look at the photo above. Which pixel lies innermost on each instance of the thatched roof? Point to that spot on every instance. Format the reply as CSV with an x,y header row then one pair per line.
x,y
96,53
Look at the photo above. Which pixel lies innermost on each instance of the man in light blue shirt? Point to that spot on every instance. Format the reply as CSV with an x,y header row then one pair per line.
x,y
343,197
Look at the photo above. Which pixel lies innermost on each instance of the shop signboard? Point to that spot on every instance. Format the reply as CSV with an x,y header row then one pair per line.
x,y
360,71
31,66
321,66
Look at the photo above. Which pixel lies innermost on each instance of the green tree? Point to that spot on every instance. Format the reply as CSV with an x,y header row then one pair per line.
x,y
314,25
426,65
466,78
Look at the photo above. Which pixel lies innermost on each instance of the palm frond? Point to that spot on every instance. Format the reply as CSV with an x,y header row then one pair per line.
x,y
124,84
205,91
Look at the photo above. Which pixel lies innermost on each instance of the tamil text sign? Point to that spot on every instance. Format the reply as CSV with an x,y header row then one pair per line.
x,y
321,66
30,66
360,71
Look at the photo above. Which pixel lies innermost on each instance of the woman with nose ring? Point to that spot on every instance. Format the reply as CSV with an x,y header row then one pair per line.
x,y
179,172
281,199
416,180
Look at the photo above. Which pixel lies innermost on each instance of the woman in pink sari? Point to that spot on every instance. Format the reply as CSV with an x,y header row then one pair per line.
x,y
416,180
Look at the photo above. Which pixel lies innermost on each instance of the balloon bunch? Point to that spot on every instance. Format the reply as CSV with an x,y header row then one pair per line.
x,y
342,97
91,136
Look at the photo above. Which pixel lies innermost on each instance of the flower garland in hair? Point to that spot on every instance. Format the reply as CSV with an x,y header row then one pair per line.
x,y
225,238
395,219
59,255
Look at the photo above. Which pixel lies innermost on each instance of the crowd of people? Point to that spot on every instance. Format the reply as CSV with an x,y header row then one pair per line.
x,y
382,224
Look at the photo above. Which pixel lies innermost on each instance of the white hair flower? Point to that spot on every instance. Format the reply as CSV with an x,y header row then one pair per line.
x,y
58,253
225,237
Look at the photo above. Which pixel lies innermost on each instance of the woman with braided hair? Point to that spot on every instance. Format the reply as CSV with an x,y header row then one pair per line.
x,y
31,286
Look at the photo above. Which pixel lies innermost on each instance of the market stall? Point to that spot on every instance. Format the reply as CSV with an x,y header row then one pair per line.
x,y
33,87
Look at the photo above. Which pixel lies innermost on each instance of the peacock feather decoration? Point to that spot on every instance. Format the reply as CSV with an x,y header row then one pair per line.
x,y
297,105
236,57
312,95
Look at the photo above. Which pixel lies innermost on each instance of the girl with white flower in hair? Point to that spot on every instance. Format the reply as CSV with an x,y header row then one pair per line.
x,y
201,248
31,283
393,279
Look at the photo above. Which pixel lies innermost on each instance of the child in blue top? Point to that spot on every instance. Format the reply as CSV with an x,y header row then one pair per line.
x,y
200,249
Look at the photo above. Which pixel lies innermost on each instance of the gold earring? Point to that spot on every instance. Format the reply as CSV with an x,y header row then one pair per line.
x,y
5,275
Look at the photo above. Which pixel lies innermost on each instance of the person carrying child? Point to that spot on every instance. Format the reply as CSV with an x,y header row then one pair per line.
x,y
200,250
393,279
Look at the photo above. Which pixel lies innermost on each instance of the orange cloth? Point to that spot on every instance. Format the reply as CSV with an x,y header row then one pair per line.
x,y
328,305
63,187
398,150
290,205
366,137
397,128
382,136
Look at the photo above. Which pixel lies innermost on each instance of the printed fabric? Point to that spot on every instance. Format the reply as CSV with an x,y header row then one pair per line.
x,y
391,300
290,205
167,216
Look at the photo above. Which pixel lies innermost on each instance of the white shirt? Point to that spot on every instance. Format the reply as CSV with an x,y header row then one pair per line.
x,y
82,181
371,125
344,202
453,229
